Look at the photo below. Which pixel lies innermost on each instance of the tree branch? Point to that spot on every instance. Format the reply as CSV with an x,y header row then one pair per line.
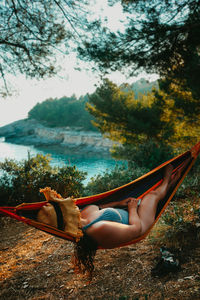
x,y
18,46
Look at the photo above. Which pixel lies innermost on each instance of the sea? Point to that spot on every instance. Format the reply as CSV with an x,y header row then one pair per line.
x,y
93,164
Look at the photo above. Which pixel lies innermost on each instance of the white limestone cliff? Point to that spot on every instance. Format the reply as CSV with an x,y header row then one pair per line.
x,y
30,132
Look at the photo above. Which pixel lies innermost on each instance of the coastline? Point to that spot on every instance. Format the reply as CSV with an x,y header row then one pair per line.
x,y
31,132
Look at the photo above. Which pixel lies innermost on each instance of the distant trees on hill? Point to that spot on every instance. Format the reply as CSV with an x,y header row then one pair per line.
x,y
140,87
72,112
150,129
66,111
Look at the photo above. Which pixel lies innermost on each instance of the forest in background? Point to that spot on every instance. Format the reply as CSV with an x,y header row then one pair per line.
x,y
72,112
63,112
147,122
159,37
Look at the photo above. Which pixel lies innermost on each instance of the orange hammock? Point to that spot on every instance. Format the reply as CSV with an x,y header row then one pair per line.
x,y
137,189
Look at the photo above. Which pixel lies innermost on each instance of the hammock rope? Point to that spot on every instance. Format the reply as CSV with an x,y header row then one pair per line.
x,y
137,189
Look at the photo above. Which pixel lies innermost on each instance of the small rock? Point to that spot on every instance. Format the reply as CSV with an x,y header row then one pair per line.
x,y
25,284
189,277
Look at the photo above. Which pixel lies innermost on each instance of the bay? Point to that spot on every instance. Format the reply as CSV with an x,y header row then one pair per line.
x,y
91,163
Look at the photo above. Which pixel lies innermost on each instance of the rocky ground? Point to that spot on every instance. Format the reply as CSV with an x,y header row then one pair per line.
x,y
35,265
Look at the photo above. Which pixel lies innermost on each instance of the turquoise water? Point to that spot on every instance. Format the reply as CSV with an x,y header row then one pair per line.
x,y
93,164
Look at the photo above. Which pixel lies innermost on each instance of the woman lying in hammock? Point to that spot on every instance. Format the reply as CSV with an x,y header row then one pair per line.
x,y
109,226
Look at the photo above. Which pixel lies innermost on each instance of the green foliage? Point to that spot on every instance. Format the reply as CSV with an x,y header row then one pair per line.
x,y
150,130
149,154
120,175
140,87
178,226
191,184
181,222
159,36
66,111
123,118
182,112
142,127
33,32
21,181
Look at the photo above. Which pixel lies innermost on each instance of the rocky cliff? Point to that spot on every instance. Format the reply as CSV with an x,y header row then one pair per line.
x,y
30,132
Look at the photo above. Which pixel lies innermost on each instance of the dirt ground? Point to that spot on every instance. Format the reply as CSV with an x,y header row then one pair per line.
x,y
36,266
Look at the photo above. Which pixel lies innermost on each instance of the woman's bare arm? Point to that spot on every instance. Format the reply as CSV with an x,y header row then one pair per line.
x,y
122,203
111,234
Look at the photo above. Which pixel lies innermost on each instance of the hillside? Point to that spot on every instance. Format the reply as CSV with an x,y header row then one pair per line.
x,y
72,112
141,86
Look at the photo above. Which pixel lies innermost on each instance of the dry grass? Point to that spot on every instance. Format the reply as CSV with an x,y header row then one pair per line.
x,y
36,266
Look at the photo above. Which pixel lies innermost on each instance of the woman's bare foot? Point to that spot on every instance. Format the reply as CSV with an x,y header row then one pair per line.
x,y
174,179
177,174
168,172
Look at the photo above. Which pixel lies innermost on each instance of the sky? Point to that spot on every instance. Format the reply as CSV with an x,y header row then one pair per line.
x,y
27,93
30,92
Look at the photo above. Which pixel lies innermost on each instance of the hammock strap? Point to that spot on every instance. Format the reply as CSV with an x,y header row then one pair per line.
x,y
59,215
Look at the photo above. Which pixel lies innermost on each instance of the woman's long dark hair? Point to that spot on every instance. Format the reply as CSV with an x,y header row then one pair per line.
x,y
84,253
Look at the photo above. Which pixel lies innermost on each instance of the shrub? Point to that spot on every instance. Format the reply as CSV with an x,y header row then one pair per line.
x,y
191,184
21,181
179,225
145,155
120,175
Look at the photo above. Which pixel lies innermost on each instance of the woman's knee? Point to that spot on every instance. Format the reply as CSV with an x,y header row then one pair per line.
x,y
148,198
146,224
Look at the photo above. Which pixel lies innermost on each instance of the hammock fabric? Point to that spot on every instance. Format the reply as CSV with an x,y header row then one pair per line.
x,y
137,189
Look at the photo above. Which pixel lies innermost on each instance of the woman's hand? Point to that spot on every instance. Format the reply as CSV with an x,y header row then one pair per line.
x,y
126,201
123,203
133,203
134,218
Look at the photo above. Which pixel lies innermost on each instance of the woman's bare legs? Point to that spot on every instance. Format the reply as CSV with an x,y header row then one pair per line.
x,y
148,206
145,215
